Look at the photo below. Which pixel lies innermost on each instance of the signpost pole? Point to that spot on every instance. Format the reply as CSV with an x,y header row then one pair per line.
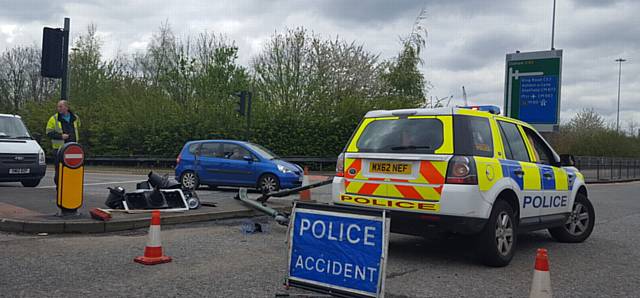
x,y
553,24
64,90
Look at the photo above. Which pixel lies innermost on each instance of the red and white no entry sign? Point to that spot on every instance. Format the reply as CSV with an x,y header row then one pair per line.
x,y
73,156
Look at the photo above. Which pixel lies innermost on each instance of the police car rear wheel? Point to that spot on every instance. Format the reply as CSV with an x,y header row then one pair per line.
x,y
497,240
579,224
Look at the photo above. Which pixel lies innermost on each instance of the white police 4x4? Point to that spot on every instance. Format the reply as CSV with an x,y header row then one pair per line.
x,y
464,171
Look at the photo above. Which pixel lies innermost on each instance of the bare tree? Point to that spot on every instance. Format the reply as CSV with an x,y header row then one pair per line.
x,y
20,79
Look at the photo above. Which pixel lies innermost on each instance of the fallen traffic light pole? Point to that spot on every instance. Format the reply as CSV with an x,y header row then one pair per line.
x,y
259,203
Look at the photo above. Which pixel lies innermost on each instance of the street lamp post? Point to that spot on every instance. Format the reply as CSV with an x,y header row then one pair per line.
x,y
619,60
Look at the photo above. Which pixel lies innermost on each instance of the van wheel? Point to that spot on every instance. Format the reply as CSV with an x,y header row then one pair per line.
x,y
189,180
497,241
579,225
30,183
268,183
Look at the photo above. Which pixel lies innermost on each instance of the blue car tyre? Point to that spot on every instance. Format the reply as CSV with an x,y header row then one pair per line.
x,y
268,183
189,180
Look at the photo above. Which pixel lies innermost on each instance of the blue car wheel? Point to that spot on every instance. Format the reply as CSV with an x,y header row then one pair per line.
x,y
189,180
268,183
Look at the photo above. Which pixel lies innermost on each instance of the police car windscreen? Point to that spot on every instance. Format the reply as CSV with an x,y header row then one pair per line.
x,y
12,127
401,136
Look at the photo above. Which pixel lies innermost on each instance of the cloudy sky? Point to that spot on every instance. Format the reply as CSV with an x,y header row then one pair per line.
x,y
466,45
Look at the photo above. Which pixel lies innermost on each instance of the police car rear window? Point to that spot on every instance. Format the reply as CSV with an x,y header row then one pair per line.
x,y
421,135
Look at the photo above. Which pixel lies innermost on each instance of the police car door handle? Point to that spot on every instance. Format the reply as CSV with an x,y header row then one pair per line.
x,y
547,175
519,172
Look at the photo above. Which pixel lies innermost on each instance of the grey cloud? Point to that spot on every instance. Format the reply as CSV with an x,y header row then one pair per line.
x,y
482,49
29,10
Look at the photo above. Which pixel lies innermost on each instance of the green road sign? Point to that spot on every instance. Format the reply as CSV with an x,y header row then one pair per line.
x,y
532,88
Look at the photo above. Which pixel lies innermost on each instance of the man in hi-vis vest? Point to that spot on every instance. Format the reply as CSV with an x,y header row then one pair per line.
x,y
63,127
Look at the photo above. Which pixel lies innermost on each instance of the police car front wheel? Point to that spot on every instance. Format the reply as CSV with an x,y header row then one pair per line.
x,y
497,241
579,224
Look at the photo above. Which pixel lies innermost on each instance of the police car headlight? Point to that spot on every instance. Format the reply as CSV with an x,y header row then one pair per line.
x,y
41,158
284,169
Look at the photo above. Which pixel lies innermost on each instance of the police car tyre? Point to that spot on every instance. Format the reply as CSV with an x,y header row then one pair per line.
x,y
30,183
268,183
497,241
189,180
579,225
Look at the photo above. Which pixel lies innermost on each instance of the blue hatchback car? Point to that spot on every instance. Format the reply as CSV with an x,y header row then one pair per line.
x,y
234,163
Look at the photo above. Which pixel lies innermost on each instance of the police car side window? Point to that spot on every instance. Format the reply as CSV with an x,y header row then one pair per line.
x,y
543,154
472,136
517,149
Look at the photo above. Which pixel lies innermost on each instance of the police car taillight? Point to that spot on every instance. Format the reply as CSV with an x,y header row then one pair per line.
x,y
340,165
462,170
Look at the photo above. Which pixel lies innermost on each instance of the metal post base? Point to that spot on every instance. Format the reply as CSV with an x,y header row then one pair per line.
x,y
66,213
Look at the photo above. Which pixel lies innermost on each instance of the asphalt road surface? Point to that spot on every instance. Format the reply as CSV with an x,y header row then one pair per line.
x,y
217,259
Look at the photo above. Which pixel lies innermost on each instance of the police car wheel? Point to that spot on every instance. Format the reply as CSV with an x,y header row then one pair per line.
x,y
579,225
189,180
268,183
497,241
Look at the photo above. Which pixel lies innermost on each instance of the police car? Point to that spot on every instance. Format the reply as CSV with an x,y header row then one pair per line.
x,y
465,171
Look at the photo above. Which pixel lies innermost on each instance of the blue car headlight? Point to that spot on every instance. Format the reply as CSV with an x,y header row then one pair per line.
x,y
284,169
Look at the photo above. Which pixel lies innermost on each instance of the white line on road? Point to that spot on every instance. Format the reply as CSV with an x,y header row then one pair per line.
x,y
100,183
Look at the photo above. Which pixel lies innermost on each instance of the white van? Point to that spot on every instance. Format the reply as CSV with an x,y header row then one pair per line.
x,y
21,157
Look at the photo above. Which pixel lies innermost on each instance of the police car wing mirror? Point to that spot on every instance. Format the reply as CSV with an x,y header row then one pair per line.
x,y
567,160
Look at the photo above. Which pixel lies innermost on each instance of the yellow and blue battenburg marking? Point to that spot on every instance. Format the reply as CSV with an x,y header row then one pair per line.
x,y
537,176
509,168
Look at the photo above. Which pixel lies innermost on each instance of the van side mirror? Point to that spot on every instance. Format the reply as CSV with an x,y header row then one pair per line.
x,y
567,160
37,136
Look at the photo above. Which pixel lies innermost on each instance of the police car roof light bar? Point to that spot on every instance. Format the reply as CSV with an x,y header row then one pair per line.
x,y
485,108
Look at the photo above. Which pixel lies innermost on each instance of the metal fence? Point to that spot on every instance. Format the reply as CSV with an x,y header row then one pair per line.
x,y
594,169
608,169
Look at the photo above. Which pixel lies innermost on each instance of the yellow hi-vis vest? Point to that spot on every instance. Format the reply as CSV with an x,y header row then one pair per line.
x,y
55,125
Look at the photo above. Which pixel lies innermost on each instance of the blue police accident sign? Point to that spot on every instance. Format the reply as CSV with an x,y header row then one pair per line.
x,y
338,252
539,99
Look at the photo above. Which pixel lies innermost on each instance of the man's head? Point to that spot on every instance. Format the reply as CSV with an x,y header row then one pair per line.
x,y
63,107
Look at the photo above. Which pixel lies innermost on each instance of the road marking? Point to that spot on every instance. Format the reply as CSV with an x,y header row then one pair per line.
x,y
100,183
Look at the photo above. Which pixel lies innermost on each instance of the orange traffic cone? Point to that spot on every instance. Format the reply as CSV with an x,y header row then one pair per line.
x,y
153,251
305,195
541,285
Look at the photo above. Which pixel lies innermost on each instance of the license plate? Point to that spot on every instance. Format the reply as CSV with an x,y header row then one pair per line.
x,y
397,168
19,171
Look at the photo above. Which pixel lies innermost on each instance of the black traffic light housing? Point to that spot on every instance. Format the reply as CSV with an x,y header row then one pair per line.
x,y
242,103
52,52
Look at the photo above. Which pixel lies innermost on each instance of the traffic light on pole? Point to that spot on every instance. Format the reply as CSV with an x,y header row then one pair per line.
x,y
242,102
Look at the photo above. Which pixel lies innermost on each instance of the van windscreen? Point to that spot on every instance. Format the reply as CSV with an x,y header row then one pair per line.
x,y
12,127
